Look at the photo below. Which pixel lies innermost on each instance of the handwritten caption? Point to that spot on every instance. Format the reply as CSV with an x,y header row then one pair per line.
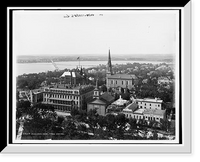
x,y
80,15
44,134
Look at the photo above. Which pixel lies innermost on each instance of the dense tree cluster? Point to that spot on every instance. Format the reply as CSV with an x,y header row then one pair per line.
x,y
41,122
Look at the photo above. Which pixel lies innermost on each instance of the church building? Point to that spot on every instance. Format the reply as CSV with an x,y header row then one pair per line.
x,y
116,81
100,101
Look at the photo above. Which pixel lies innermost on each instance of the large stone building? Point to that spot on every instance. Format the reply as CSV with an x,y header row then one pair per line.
x,y
116,81
65,97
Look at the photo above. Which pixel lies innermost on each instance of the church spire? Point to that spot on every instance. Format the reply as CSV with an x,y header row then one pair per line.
x,y
109,70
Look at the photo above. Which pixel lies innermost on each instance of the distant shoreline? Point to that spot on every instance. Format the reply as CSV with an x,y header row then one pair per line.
x,y
25,68
62,58
49,61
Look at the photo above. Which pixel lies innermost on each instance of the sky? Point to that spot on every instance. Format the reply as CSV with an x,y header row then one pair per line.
x,y
59,32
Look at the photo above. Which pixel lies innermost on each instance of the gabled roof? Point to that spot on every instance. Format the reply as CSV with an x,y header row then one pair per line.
x,y
131,107
68,74
97,101
107,97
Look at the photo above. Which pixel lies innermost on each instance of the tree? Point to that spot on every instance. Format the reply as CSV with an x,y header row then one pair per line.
x,y
104,88
92,117
120,121
109,89
40,121
70,129
116,96
165,124
132,123
110,123
22,108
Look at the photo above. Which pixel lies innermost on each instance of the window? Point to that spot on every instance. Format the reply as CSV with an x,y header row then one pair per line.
x,y
149,104
116,82
126,82
111,82
122,82
158,105
140,106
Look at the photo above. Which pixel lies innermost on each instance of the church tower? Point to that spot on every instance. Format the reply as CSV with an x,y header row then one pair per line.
x,y
109,68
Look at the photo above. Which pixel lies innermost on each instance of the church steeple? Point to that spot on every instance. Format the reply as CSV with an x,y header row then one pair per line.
x,y
96,90
109,69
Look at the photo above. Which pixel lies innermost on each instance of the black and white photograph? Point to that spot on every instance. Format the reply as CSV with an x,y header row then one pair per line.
x,y
99,76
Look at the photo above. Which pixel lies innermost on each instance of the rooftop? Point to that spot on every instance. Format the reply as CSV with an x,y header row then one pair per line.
x,y
131,107
122,76
107,97
81,88
154,112
36,91
139,111
120,102
157,100
68,73
97,101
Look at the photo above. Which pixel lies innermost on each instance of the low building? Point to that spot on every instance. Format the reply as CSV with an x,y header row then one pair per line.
x,y
118,105
36,95
131,111
23,96
148,103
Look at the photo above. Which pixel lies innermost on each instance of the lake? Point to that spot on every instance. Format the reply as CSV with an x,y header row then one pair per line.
x,y
26,68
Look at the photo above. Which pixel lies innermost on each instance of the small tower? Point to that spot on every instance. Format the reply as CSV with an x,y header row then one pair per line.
x,y
96,91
